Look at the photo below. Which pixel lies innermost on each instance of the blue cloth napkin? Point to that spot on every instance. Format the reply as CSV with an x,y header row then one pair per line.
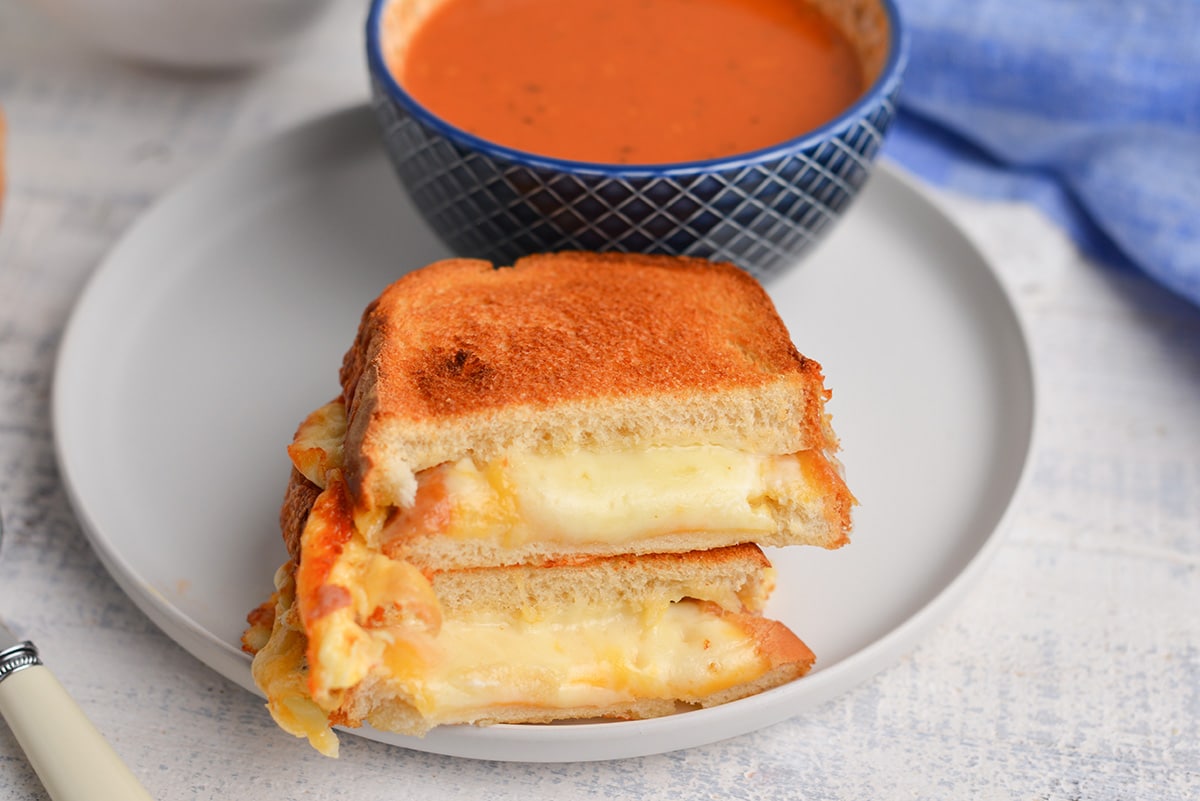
x,y
1088,108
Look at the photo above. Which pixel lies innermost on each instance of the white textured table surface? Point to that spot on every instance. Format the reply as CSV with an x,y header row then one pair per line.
x,y
1072,670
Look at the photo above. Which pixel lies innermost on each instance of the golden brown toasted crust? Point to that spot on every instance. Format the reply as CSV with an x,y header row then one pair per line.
x,y
260,622
592,336
317,445
823,472
460,336
298,500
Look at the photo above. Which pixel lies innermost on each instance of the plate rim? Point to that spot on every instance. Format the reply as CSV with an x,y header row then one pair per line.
x,y
509,742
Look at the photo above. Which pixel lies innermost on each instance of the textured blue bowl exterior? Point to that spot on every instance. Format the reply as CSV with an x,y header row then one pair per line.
x,y
761,211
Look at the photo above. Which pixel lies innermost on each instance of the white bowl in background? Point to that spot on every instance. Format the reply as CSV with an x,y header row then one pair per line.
x,y
190,34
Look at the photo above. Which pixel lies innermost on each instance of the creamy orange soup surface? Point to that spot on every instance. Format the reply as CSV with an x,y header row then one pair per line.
x,y
625,81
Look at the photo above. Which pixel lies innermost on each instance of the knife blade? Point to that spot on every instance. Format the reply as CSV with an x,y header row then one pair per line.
x,y
70,756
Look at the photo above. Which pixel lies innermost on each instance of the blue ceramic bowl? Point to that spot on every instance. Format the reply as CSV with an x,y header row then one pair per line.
x,y
760,210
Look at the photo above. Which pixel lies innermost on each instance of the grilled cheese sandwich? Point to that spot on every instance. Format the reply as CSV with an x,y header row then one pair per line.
x,y
540,496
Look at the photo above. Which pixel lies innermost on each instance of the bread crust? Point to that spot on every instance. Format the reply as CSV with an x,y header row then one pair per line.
x,y
570,350
298,501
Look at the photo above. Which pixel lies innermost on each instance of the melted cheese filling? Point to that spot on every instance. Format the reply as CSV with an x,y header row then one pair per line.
x,y
374,620
568,656
609,497
579,660
583,659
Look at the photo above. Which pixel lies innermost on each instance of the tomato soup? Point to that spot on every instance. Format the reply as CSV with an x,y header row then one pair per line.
x,y
625,81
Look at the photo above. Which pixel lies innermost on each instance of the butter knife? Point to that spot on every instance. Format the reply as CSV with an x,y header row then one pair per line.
x,y
71,757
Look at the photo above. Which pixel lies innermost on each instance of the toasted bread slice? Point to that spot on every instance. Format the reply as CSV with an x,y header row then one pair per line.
x,y
565,352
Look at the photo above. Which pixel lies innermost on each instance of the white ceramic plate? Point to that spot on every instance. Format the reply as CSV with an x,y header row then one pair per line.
x,y
219,322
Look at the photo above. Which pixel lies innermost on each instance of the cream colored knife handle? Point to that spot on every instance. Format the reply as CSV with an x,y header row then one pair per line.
x,y
71,757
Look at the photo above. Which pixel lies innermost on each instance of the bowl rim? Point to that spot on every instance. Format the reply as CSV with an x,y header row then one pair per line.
x,y
889,76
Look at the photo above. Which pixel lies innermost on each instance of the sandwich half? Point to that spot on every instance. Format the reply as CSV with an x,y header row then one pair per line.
x,y
540,496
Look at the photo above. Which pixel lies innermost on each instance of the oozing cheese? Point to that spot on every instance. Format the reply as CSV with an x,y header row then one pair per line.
x,y
555,656
610,497
359,630
575,658
581,497
583,658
